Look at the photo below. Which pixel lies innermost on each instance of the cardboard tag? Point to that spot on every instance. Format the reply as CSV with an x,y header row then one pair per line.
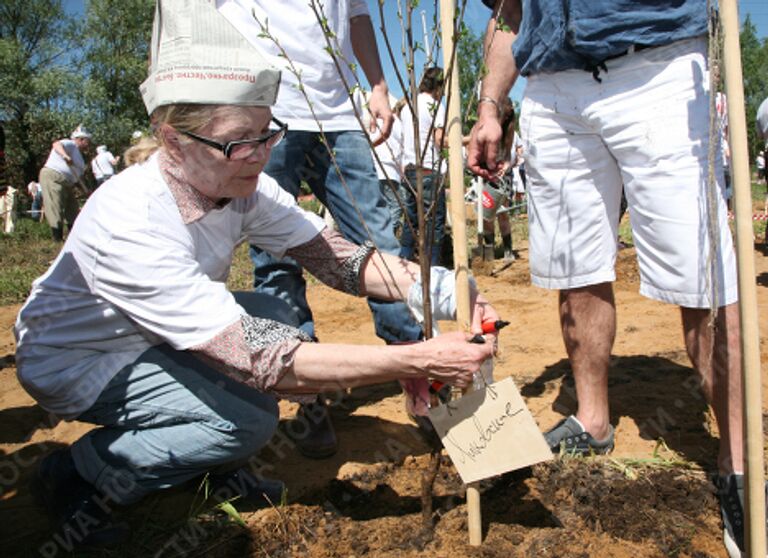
x,y
489,432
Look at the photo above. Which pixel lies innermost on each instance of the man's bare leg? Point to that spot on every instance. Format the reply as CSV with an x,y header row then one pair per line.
x,y
588,323
716,355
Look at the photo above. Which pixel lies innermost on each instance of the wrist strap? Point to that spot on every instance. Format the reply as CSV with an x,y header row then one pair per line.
x,y
494,102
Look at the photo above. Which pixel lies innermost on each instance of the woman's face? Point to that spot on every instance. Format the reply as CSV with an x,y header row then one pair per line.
x,y
208,170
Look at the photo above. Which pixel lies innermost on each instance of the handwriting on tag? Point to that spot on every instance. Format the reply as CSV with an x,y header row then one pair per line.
x,y
489,432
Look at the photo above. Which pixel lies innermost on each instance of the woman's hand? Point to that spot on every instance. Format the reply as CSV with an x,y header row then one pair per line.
x,y
451,358
482,312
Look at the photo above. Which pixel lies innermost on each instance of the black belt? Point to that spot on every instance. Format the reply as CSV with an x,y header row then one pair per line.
x,y
412,168
595,68
630,50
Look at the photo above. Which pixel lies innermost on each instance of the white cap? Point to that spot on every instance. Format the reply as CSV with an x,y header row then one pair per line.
x,y
81,132
101,149
198,57
137,134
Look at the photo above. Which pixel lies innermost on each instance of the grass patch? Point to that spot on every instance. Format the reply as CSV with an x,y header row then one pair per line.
x,y
24,256
27,253
311,204
241,272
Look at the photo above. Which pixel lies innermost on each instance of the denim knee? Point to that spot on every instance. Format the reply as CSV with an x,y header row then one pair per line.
x,y
246,436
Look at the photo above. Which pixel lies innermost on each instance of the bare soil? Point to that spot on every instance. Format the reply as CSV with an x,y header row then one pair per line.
x,y
648,499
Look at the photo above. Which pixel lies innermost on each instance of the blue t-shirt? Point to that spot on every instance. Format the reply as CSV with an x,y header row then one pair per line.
x,y
560,35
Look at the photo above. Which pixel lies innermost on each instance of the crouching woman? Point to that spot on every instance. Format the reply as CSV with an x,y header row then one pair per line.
x,y
133,329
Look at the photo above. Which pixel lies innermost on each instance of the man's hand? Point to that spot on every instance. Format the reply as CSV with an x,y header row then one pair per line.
x,y
381,114
484,142
500,34
364,46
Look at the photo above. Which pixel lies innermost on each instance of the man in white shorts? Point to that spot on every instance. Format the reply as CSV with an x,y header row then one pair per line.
x,y
638,116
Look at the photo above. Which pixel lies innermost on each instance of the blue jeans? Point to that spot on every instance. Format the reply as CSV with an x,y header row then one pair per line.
x,y
435,226
357,207
37,206
388,188
168,418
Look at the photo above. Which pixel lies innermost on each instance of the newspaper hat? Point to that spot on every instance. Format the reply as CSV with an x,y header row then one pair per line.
x,y
198,57
81,132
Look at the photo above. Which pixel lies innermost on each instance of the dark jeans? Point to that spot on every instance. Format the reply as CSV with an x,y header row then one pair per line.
x,y
357,207
435,225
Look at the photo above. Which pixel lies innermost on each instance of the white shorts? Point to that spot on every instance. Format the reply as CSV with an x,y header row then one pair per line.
x,y
646,127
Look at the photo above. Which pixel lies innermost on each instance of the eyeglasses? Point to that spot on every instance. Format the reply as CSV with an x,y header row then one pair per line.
x,y
242,149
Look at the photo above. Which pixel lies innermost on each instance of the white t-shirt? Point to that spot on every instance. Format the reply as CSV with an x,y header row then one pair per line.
x,y
427,108
295,26
56,162
390,154
102,165
133,275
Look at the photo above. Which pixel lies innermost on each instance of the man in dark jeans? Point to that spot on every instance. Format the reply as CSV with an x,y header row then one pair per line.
x,y
430,113
326,149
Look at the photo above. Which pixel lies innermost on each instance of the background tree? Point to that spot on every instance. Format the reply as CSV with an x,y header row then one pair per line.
x,y
115,57
38,77
470,55
754,61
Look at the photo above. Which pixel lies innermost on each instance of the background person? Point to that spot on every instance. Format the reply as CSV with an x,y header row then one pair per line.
x,y
35,192
8,208
518,174
346,184
132,327
390,171
103,165
63,169
140,151
586,133
761,120
431,119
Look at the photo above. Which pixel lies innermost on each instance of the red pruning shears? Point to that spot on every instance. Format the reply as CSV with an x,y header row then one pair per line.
x,y
488,327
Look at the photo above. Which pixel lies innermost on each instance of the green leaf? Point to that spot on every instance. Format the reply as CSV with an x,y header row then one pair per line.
x,y
232,512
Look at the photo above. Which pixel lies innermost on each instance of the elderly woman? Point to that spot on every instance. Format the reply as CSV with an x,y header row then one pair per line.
x,y
132,328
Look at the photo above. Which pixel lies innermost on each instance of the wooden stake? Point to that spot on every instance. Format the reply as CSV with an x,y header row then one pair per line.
x,y
754,504
459,219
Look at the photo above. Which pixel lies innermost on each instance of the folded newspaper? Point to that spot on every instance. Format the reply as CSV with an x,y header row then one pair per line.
x,y
198,57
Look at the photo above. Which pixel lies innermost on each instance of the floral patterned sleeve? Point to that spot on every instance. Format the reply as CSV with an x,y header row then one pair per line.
x,y
334,260
258,352
255,351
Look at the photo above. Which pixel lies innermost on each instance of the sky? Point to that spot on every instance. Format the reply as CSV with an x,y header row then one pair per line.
x,y
476,18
